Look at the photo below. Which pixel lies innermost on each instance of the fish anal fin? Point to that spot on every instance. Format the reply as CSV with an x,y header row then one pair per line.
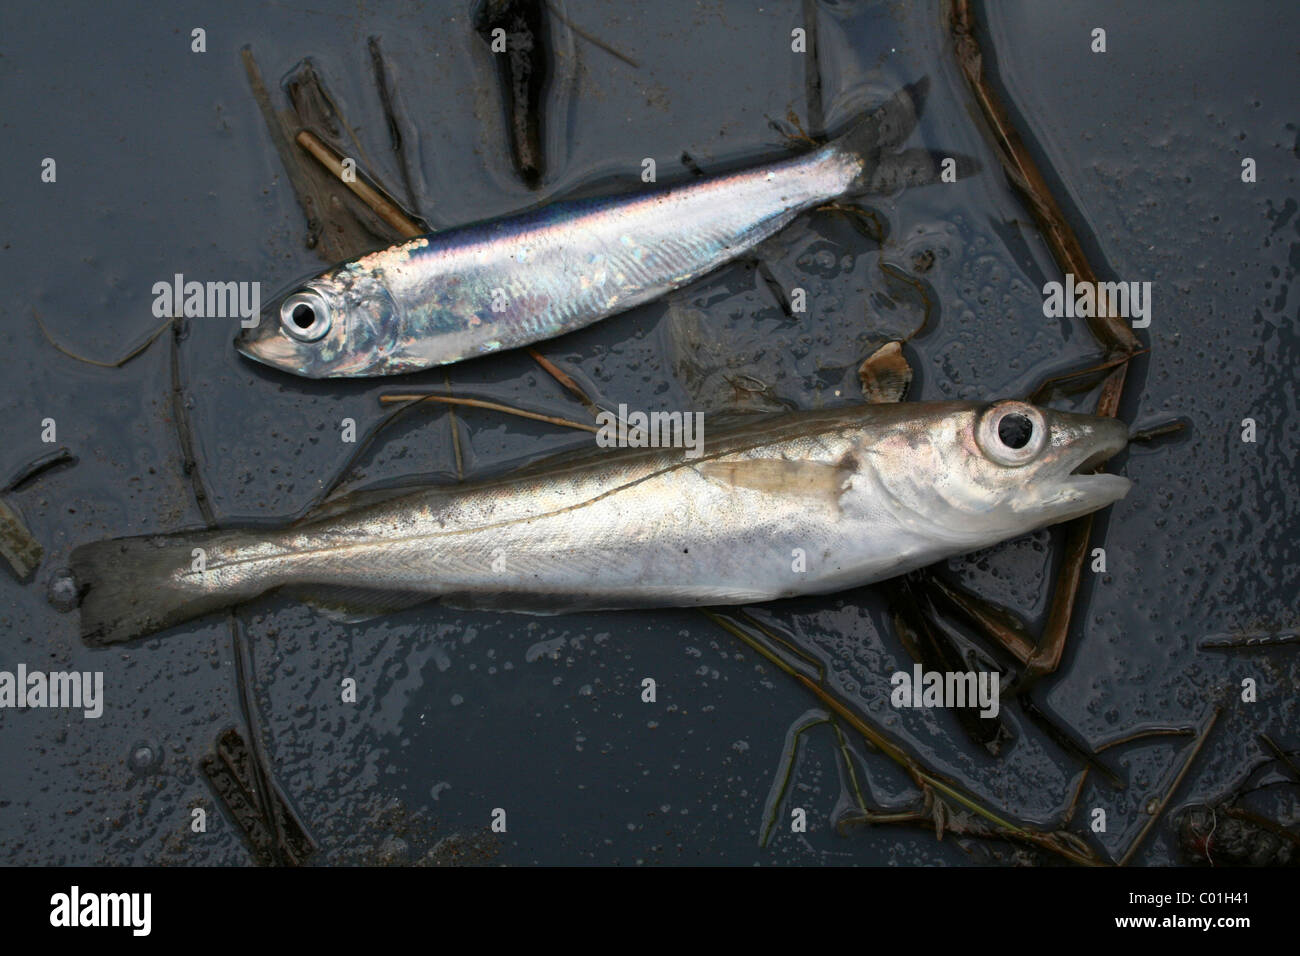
x,y
543,604
351,605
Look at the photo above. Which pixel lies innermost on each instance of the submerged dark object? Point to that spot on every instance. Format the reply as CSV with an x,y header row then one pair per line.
x,y
917,624
232,774
1229,836
524,69
17,545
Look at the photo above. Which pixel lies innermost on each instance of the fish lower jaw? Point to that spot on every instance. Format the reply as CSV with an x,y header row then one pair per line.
x,y
1073,496
1098,490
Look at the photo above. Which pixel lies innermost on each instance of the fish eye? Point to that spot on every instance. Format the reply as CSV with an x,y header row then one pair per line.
x,y
305,316
1015,430
1011,433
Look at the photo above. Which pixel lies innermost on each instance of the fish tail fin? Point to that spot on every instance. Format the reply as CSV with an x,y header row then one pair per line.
x,y
883,169
891,172
887,126
132,587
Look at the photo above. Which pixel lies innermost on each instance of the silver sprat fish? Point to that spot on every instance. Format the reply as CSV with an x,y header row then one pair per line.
x,y
803,503
507,282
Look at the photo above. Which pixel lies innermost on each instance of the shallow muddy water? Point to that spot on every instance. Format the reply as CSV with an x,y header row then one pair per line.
x,y
164,166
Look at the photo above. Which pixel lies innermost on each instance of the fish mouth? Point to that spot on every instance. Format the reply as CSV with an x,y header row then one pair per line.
x,y
244,344
247,339
249,345
263,344
1103,439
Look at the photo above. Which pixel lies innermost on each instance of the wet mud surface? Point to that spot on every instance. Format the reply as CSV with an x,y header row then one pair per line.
x,y
165,166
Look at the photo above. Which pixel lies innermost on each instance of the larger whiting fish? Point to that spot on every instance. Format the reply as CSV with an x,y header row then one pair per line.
x,y
504,283
803,503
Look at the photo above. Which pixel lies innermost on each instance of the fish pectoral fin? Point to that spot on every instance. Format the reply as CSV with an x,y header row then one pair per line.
x,y
352,605
804,480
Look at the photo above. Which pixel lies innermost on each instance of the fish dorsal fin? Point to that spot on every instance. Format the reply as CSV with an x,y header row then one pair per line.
x,y
362,498
732,417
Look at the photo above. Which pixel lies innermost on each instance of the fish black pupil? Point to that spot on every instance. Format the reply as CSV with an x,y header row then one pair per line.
x,y
1015,431
303,316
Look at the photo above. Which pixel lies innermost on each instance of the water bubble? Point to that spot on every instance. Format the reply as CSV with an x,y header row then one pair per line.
x,y
146,758
62,590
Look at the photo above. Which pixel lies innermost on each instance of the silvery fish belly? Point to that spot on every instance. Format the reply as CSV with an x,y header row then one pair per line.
x,y
804,503
501,284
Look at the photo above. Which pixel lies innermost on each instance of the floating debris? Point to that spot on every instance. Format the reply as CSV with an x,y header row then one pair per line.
x,y
1025,175
885,375
1250,640
524,69
232,775
413,397
1230,836
333,161
115,363
1159,808
386,96
34,469
1080,380
1157,432
17,545
935,788
590,38
916,623
340,225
